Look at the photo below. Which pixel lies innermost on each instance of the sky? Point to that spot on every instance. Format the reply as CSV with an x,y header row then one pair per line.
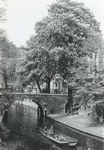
x,y
21,16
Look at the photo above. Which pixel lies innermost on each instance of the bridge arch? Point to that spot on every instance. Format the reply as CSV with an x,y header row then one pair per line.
x,y
55,103
40,108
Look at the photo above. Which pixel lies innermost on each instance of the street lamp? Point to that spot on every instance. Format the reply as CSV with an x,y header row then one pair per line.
x,y
45,109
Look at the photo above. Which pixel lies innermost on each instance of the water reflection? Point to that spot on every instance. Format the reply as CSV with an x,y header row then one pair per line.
x,y
24,121
19,142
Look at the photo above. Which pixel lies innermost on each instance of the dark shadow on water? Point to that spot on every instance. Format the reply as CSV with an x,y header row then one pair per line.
x,y
22,142
5,118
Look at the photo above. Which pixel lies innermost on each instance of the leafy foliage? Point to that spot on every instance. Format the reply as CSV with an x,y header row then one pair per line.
x,y
65,42
39,66
7,61
7,54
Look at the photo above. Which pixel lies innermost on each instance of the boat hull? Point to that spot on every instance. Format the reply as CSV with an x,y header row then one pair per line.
x,y
66,139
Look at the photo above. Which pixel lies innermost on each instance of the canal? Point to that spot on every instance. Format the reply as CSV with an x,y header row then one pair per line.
x,y
25,122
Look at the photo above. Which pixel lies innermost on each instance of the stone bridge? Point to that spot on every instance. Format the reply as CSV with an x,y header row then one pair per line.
x,y
53,103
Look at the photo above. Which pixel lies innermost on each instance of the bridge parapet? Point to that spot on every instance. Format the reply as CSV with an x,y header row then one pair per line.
x,y
54,103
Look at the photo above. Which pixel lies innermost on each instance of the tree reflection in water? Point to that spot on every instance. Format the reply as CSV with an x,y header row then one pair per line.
x,y
29,145
37,145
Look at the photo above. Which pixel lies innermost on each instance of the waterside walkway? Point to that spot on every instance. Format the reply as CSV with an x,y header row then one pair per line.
x,y
81,123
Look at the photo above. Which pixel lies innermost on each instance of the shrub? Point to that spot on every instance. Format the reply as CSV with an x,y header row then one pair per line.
x,y
93,115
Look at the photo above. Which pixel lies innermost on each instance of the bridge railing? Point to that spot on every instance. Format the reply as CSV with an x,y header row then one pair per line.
x,y
30,90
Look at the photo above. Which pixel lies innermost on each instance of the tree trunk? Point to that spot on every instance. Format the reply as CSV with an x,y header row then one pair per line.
x,y
6,85
48,86
39,87
95,67
70,101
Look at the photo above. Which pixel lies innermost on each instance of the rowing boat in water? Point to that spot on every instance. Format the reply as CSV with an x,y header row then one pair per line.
x,y
59,137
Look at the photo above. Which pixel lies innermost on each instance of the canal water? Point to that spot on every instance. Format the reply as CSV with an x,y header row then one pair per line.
x,y
25,123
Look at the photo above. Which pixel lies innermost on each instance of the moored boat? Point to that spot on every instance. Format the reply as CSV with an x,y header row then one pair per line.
x,y
59,137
